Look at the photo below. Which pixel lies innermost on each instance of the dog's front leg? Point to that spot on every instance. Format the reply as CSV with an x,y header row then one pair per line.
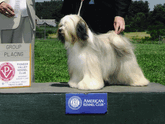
x,y
92,75
74,79
90,83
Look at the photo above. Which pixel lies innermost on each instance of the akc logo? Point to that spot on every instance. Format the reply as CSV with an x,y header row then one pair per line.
x,y
75,102
7,71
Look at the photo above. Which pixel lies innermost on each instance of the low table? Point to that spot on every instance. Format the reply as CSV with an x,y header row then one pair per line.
x,y
44,103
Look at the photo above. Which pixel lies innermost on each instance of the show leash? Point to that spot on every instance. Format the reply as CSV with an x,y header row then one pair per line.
x,y
80,7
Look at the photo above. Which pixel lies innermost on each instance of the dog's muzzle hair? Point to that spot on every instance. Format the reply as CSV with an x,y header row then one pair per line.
x,y
68,29
61,35
93,59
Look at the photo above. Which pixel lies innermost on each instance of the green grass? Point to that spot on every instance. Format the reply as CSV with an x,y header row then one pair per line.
x,y
51,61
151,58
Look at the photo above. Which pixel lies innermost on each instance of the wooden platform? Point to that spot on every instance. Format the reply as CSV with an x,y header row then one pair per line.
x,y
64,88
44,103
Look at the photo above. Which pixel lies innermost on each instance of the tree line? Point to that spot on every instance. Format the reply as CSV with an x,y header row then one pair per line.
x,y
138,19
49,10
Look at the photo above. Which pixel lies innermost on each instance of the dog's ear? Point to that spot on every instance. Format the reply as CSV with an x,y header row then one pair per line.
x,y
82,30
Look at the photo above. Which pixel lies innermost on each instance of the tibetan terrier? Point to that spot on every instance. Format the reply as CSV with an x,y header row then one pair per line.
x,y
93,59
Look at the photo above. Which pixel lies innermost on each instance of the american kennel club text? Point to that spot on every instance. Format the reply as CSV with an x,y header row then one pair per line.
x,y
75,102
93,102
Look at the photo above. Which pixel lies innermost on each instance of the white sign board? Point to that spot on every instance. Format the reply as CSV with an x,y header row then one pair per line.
x,y
15,65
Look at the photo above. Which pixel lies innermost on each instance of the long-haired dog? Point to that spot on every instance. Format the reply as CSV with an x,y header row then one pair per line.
x,y
93,59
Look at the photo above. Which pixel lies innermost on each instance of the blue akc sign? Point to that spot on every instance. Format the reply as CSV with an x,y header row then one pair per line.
x,y
92,103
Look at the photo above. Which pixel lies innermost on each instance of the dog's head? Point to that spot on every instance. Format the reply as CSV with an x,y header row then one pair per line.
x,y
72,28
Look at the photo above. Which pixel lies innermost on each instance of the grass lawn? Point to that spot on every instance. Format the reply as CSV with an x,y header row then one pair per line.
x,y
51,61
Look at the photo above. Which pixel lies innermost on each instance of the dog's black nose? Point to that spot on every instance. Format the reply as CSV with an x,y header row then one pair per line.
x,y
59,30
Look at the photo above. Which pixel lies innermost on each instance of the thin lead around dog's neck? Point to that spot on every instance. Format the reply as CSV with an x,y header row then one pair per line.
x,y
80,7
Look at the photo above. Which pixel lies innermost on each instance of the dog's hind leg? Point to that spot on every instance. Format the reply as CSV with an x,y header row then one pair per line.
x,y
131,74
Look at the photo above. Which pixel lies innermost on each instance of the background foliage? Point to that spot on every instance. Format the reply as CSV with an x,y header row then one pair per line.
x,y
138,19
49,10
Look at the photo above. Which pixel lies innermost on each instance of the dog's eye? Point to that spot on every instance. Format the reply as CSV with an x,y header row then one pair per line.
x,y
60,25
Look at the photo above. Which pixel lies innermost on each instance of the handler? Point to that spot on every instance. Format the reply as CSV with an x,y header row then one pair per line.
x,y
17,21
17,18
101,15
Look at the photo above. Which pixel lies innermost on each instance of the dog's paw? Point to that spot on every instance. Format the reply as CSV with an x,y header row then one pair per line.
x,y
140,83
73,84
81,86
90,85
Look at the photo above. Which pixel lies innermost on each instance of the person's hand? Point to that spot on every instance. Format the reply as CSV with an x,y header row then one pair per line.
x,y
6,9
119,24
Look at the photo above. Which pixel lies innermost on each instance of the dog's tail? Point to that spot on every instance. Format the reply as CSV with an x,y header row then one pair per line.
x,y
121,45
